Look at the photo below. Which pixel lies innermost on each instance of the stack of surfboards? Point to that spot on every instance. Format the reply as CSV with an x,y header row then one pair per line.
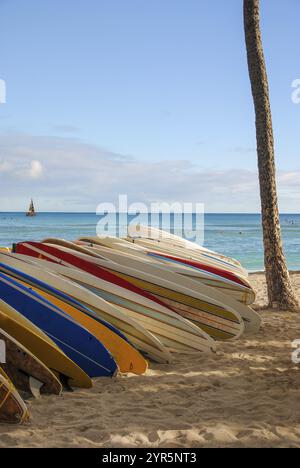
x,y
73,311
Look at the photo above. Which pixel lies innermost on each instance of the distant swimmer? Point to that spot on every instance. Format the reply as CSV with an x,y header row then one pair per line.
x,y
290,221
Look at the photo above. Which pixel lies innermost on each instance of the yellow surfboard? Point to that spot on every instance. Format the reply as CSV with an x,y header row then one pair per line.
x,y
42,347
126,356
12,407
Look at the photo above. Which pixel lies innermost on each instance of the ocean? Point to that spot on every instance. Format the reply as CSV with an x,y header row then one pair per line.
x,y
235,235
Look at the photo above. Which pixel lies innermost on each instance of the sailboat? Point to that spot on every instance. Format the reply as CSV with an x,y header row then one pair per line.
x,y
31,211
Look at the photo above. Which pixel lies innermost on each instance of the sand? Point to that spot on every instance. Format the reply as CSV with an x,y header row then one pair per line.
x,y
247,394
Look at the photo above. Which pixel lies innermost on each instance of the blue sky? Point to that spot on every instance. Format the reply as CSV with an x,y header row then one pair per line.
x,y
149,98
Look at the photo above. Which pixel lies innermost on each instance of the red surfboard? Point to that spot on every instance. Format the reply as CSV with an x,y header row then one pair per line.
x,y
201,266
55,255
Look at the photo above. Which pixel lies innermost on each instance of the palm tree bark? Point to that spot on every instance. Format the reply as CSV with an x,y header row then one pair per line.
x,y
280,291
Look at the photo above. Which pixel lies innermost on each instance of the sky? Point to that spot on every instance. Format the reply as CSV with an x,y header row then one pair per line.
x,y
145,98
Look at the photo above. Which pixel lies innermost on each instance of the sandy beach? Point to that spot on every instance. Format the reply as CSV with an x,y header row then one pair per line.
x,y
247,394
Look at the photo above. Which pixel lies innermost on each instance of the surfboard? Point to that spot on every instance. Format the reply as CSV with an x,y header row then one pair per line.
x,y
12,408
74,340
206,258
127,357
25,370
136,232
41,346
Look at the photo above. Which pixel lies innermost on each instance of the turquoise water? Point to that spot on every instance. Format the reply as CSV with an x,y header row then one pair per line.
x,y
235,235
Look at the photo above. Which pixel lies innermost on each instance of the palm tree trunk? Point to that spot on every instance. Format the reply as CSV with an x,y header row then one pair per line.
x,y
280,291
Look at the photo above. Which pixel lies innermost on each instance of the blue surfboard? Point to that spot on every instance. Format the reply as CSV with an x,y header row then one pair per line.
x,y
30,280
73,339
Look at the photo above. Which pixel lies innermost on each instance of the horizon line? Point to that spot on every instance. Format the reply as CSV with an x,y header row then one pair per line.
x,y
143,213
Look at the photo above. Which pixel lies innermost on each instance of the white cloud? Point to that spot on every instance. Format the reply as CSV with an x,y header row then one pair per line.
x,y
21,169
66,174
36,170
5,166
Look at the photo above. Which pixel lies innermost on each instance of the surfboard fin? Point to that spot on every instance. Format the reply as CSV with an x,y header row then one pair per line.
x,y
35,387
